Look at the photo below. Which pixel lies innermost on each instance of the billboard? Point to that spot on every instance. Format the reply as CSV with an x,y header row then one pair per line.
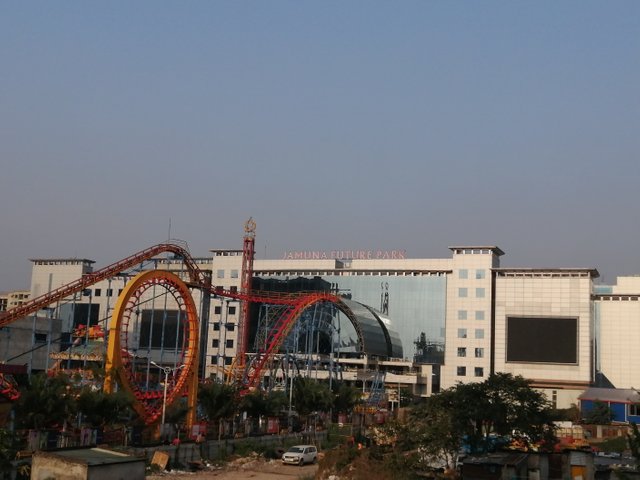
x,y
542,340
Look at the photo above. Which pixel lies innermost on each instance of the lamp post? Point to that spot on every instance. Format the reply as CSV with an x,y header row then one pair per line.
x,y
167,371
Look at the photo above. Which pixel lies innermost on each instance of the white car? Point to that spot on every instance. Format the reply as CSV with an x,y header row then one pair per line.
x,y
300,454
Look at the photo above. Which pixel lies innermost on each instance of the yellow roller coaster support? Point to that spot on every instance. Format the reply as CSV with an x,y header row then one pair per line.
x,y
188,376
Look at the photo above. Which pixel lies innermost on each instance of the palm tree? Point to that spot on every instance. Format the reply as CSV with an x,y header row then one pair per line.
x,y
345,397
218,401
100,409
311,396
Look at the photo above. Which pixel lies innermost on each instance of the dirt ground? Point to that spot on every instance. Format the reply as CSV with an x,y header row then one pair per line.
x,y
251,468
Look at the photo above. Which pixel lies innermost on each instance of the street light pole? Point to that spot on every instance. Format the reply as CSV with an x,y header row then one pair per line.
x,y
167,371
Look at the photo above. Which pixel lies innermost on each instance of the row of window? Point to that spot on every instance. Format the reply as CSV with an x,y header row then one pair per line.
x,y
477,371
463,274
583,274
471,251
229,326
463,292
479,333
624,298
462,314
231,310
215,343
479,352
232,273
109,292
377,273
97,292
227,360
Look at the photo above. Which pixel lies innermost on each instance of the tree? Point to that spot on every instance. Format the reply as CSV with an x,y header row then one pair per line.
x,y
218,401
259,403
345,397
99,408
633,439
310,396
433,428
510,406
7,449
501,406
46,402
600,414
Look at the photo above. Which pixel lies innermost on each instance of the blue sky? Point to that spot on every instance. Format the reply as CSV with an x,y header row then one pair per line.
x,y
336,125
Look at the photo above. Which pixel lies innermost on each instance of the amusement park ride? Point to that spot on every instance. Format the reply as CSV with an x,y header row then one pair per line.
x,y
124,367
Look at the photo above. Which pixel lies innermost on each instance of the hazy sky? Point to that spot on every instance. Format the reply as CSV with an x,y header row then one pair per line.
x,y
410,125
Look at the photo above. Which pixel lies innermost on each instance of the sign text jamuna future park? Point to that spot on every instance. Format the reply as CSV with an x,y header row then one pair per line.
x,y
345,255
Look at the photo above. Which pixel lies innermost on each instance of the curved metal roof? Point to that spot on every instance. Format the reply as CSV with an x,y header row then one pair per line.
x,y
375,330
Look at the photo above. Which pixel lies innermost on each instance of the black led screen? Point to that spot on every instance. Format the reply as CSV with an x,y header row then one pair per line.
x,y
542,340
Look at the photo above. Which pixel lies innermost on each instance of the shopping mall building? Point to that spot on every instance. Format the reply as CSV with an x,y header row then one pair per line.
x,y
458,319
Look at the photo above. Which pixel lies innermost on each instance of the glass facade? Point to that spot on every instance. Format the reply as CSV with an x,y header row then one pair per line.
x,y
414,305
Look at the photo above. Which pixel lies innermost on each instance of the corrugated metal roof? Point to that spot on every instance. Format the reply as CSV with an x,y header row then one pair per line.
x,y
91,456
616,395
498,458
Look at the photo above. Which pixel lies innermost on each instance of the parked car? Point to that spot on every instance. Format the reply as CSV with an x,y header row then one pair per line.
x,y
300,454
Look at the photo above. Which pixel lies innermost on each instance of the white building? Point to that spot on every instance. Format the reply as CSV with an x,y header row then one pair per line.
x,y
552,326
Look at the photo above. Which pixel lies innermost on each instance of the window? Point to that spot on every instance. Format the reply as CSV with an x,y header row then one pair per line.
x,y
462,314
478,372
214,360
230,326
480,292
217,310
234,289
479,274
216,326
229,344
462,292
228,360
119,291
462,352
479,314
234,273
215,343
479,352
97,292
462,333
232,310
479,333
463,273
220,274
461,371
40,338
109,292
634,408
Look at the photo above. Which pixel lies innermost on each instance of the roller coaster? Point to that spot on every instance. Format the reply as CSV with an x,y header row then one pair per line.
x,y
124,365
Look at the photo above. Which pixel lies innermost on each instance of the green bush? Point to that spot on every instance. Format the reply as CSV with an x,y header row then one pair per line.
x,y
248,447
271,453
618,444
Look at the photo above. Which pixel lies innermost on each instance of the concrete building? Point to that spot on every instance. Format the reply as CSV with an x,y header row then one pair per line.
x,y
544,329
552,325
86,464
13,299
616,332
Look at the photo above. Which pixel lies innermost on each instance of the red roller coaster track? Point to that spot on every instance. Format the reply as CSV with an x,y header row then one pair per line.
x,y
195,274
296,303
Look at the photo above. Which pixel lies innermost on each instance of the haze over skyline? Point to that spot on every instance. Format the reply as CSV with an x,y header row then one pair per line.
x,y
409,125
